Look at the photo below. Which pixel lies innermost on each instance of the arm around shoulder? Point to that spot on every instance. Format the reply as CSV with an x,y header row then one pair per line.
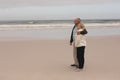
x,y
84,32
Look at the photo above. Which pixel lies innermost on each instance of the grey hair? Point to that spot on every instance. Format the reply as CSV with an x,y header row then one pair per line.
x,y
79,19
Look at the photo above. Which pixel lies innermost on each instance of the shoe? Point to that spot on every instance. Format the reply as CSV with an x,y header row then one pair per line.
x,y
73,65
79,67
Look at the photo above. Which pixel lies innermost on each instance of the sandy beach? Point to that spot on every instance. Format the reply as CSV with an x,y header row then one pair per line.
x,y
50,59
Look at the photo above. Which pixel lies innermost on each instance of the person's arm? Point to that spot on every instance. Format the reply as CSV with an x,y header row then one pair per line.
x,y
84,32
71,38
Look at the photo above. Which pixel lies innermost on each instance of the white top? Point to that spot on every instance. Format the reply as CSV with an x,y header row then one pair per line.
x,y
80,40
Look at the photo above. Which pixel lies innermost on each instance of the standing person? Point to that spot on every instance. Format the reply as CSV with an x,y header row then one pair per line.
x,y
78,51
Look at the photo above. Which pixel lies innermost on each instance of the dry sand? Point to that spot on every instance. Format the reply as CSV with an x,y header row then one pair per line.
x,y
51,59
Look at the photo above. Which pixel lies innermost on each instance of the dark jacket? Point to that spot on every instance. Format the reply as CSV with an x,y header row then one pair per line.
x,y
84,32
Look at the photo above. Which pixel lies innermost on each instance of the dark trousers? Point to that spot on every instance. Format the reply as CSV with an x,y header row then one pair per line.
x,y
80,56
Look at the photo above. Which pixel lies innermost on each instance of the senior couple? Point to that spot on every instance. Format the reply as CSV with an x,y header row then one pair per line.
x,y
78,40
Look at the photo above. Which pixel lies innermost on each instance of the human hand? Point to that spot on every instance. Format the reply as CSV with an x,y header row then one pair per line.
x,y
70,44
78,33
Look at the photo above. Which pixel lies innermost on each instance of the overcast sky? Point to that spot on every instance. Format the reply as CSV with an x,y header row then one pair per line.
x,y
59,9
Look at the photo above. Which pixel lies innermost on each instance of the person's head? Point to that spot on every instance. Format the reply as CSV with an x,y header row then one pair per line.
x,y
77,21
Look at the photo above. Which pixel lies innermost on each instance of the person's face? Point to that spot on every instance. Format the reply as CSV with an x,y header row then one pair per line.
x,y
76,21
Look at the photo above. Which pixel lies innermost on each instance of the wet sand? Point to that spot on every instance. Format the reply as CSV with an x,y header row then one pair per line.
x,y
32,59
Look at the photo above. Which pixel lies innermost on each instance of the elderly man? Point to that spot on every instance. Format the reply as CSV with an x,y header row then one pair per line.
x,y
78,52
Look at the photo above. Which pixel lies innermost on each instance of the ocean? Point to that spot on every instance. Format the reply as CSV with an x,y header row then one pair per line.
x,y
56,28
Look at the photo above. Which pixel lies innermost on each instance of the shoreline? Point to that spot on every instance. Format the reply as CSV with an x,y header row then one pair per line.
x,y
55,33
46,39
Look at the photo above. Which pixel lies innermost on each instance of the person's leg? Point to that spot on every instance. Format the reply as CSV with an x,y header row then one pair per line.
x,y
80,56
75,56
